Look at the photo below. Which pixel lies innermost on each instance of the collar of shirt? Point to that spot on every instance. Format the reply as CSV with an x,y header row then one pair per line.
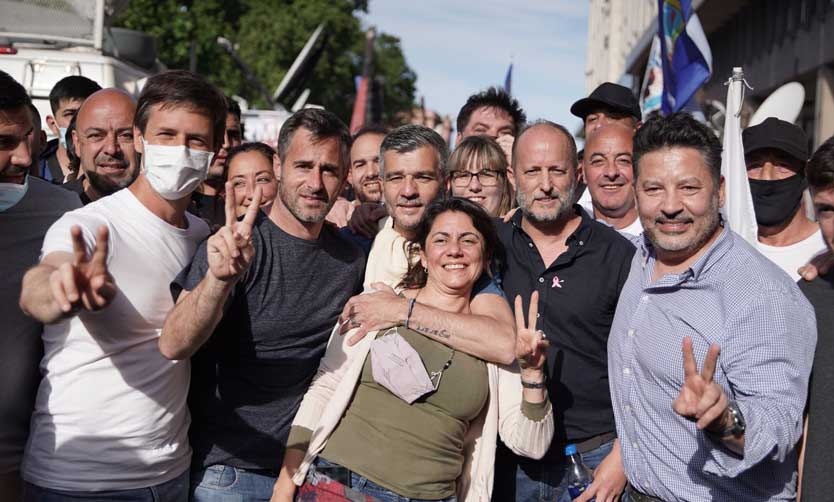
x,y
698,270
579,236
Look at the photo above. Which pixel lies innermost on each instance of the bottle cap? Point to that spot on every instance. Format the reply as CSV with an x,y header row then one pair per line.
x,y
570,450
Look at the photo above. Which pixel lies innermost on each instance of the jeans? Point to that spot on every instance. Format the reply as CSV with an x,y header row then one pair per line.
x,y
224,483
175,490
364,485
541,481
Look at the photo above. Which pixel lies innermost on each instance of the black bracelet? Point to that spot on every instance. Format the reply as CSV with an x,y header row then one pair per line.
x,y
533,385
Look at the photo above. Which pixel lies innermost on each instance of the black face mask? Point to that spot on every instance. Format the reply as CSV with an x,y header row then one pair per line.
x,y
776,201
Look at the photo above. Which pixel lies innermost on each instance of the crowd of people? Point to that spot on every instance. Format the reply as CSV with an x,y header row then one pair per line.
x,y
371,317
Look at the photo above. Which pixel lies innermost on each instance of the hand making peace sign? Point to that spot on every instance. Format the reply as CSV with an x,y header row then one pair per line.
x,y
700,397
530,343
85,281
230,249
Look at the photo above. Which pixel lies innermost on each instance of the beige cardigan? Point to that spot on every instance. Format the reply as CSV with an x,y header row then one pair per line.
x,y
338,375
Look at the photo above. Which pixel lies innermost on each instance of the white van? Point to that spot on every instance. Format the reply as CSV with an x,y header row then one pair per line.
x,y
43,41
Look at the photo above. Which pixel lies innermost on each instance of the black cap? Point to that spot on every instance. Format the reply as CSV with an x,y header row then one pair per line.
x,y
608,96
776,134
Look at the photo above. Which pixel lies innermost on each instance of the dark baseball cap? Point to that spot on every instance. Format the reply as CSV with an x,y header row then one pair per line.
x,y
608,96
778,135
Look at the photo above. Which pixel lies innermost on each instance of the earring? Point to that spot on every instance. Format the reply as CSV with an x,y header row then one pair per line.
x,y
425,270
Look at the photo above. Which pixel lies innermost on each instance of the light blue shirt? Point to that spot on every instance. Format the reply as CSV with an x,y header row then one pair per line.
x,y
737,298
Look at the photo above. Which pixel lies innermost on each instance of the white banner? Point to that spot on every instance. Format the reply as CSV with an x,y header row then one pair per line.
x,y
738,203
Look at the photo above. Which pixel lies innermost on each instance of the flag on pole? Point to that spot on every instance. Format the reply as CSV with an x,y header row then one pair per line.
x,y
686,56
651,94
357,119
738,209
508,80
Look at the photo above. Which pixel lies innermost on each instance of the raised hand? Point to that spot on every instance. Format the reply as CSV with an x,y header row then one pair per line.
x,y
340,213
530,343
230,249
365,219
84,283
700,397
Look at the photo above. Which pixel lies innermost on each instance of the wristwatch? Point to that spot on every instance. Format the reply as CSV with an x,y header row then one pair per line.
x,y
738,425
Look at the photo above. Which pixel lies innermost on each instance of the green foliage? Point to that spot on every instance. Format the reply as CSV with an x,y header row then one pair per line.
x,y
269,34
397,78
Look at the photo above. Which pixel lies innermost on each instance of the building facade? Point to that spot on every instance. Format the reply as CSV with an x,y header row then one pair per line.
x,y
774,41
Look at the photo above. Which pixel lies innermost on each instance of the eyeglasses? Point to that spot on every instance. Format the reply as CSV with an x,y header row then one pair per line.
x,y
486,177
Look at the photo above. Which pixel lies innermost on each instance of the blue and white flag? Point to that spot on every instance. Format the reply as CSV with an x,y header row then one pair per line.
x,y
687,59
651,93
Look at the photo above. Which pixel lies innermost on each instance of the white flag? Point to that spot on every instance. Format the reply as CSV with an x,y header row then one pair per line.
x,y
738,203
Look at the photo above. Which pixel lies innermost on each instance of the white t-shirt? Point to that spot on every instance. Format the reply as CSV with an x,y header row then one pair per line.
x,y
790,258
631,232
111,412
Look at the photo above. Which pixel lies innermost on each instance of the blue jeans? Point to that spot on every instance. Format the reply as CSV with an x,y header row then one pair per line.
x,y
364,485
224,483
541,481
175,490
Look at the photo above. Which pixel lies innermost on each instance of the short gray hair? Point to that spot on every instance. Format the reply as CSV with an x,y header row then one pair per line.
x,y
558,128
410,137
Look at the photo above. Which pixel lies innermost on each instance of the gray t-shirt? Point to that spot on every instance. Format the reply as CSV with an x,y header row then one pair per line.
x,y
22,228
248,380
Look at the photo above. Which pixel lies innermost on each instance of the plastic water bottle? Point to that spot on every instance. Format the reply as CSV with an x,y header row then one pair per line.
x,y
579,476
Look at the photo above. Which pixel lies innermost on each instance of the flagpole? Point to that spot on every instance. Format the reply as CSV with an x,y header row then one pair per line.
x,y
738,208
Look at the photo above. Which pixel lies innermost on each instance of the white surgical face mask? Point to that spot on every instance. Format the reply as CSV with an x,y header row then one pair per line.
x,y
62,137
175,171
11,193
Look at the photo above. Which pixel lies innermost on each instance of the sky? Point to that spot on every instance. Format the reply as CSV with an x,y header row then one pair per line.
x,y
458,47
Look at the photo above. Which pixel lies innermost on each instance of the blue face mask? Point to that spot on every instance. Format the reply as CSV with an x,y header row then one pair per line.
x,y
11,193
62,137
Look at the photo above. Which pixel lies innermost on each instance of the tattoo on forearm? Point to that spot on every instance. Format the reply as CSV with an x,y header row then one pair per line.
x,y
440,333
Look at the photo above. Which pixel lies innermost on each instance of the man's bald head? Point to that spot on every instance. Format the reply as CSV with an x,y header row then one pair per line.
x,y
608,169
623,132
104,141
105,98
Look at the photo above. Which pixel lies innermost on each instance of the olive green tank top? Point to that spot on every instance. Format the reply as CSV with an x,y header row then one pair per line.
x,y
415,450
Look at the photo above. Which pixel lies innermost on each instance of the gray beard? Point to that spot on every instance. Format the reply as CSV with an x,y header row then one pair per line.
x,y
566,201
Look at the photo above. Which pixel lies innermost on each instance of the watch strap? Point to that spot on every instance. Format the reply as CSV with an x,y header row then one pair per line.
x,y
737,427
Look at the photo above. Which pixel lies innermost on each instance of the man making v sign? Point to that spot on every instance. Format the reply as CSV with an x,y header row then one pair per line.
x,y
256,308
110,419
695,289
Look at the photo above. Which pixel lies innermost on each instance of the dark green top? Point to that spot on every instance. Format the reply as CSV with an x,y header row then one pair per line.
x,y
415,450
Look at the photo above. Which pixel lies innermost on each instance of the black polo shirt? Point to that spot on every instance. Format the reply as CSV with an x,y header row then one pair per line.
x,y
577,298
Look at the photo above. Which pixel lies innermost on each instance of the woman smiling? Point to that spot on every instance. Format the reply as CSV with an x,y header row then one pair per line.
x,y
478,172
401,415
